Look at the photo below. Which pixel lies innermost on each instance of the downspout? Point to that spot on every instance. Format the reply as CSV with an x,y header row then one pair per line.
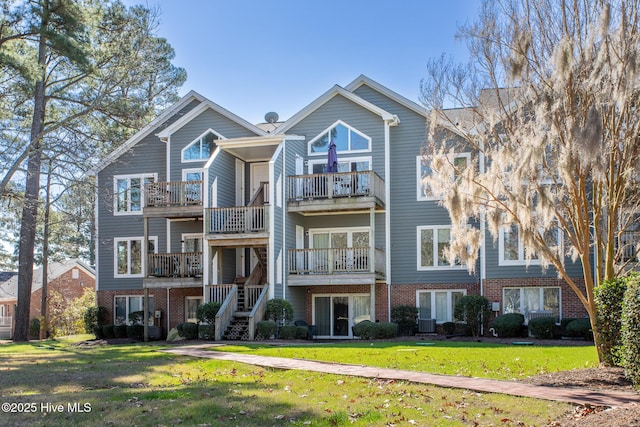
x,y
284,217
387,218
168,311
483,225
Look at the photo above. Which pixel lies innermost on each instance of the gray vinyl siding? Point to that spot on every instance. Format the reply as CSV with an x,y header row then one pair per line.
x,y
223,170
208,119
178,228
278,212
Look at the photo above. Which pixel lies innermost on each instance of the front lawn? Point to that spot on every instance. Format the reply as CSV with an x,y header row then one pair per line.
x,y
59,382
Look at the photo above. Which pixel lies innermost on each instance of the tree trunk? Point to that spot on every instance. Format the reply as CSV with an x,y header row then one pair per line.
x,y
31,197
45,259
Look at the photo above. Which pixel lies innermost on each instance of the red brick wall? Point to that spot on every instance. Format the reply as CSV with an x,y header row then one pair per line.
x,y
176,303
570,304
406,294
64,284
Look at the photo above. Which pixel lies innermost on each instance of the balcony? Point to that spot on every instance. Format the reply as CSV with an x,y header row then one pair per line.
x,y
628,248
177,199
238,225
335,266
174,269
331,192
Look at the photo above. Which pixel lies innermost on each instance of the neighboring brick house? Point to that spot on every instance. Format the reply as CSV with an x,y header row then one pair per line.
x,y
201,205
69,278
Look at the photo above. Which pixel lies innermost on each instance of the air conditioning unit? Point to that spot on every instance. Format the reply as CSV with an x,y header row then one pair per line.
x,y
426,326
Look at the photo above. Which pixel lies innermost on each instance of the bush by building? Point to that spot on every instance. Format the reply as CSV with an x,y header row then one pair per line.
x,y
508,325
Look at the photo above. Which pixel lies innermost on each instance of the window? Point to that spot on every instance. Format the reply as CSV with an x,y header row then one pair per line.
x,y
352,164
423,170
433,241
129,192
438,304
346,138
532,299
129,261
125,305
201,148
191,308
511,250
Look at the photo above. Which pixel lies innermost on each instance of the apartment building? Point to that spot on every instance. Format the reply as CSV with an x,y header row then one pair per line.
x,y
325,209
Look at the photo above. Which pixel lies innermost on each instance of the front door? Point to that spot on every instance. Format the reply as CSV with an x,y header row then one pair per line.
x,y
259,174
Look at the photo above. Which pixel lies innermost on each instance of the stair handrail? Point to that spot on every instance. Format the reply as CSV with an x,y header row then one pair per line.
x,y
258,311
259,198
225,313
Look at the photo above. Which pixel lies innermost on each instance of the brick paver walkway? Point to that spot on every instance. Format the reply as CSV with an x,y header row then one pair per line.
x,y
571,395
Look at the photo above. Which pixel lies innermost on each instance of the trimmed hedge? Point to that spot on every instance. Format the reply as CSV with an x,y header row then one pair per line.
x,y
380,330
290,332
542,327
265,329
580,328
135,332
406,316
609,297
188,330
120,331
107,331
98,332
631,331
279,310
94,317
508,325
475,311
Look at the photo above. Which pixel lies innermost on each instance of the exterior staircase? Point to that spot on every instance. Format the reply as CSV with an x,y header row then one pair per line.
x,y
238,329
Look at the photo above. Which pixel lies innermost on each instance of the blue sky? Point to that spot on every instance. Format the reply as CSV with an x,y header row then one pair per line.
x,y
252,57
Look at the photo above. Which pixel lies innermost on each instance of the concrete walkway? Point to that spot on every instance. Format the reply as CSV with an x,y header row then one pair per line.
x,y
571,395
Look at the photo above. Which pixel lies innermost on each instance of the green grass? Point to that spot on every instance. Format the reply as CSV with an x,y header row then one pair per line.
x,y
498,361
138,385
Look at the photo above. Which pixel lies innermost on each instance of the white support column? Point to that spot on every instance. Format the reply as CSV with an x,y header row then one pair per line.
x,y
372,259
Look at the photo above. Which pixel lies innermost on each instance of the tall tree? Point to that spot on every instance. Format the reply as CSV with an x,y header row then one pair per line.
x,y
100,73
559,153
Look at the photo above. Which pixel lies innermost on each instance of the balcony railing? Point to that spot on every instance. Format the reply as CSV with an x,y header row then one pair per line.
x,y
334,261
187,264
332,185
238,219
176,193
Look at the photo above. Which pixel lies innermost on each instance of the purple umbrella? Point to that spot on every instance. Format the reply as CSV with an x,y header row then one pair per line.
x,y
332,158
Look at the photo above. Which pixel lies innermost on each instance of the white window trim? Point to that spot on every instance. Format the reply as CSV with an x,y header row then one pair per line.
x,y
186,236
186,306
324,132
348,230
433,300
192,170
313,162
521,256
142,176
419,265
420,196
116,240
127,309
351,315
197,140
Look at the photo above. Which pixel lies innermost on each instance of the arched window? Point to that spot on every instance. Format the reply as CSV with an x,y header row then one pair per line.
x,y
201,148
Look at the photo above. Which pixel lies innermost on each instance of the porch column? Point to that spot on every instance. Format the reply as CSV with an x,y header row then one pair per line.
x,y
145,317
372,259
145,256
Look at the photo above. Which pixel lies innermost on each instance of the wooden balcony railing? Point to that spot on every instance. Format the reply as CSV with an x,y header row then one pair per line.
x,y
187,264
334,261
176,193
238,219
331,185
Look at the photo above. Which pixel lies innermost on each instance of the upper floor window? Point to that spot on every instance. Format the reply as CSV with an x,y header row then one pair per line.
x,y
423,170
129,192
511,250
201,148
433,242
346,138
129,260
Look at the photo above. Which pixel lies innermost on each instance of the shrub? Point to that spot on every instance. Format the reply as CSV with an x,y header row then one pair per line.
x,y
135,332
288,332
279,310
93,317
265,329
98,332
120,331
107,331
406,317
206,313
542,327
508,325
302,332
34,328
609,297
188,330
580,328
207,332
449,328
475,311
631,331
370,330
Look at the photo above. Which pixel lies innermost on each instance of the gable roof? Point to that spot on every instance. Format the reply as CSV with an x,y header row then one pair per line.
x,y
208,104
326,97
145,131
363,80
9,289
